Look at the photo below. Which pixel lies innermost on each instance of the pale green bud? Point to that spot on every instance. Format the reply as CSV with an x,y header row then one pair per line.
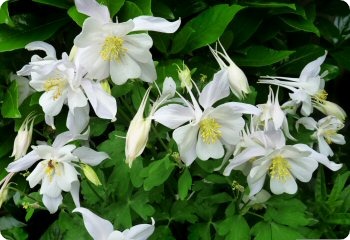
x,y
90,174
184,75
330,108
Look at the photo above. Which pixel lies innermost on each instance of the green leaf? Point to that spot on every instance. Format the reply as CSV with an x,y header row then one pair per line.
x,y
182,211
37,30
339,219
129,10
206,28
135,176
98,126
184,184
289,212
113,5
4,15
8,222
233,228
77,17
139,203
199,231
161,233
259,56
300,24
320,188
144,5
262,231
114,146
282,232
65,4
157,172
333,71
342,57
271,5
9,108
338,187
168,69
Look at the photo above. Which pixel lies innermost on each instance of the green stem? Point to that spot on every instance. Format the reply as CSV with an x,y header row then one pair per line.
x,y
255,214
159,138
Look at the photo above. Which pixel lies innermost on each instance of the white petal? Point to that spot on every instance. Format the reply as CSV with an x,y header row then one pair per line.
x,y
44,151
158,24
206,151
36,175
104,105
138,46
215,90
39,45
313,68
97,227
139,232
243,108
74,191
89,156
52,203
302,168
323,147
66,137
287,186
116,235
186,138
307,122
243,157
49,186
255,184
338,139
23,163
319,157
148,71
67,175
50,105
76,99
169,87
79,120
126,68
93,9
173,115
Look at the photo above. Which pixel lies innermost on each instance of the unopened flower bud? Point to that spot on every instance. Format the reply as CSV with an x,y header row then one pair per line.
x,y
185,76
23,138
330,108
137,135
90,174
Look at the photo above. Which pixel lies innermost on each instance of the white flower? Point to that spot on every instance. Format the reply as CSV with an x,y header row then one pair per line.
x,y
272,115
24,137
331,108
56,171
107,49
282,162
257,201
230,73
309,86
62,82
208,129
326,132
101,229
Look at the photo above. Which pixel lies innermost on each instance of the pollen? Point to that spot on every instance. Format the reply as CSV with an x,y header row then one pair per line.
x,y
50,169
280,168
320,96
210,130
112,49
56,84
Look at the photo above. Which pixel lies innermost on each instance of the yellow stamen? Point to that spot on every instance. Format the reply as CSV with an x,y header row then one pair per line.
x,y
320,96
280,168
210,130
328,134
112,48
56,84
51,169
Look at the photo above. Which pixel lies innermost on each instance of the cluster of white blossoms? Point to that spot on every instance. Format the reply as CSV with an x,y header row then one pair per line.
x,y
252,138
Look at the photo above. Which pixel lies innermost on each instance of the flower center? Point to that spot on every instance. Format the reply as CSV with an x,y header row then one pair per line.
x,y
280,168
56,84
112,48
328,134
320,96
210,130
51,168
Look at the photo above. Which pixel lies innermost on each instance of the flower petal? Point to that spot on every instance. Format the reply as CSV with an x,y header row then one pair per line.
x,y
158,24
288,185
93,9
51,106
97,227
126,68
23,163
173,115
89,156
51,203
36,175
186,137
139,232
212,150
78,120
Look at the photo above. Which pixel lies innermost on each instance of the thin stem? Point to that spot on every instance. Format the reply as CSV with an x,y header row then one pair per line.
x,y
255,214
158,137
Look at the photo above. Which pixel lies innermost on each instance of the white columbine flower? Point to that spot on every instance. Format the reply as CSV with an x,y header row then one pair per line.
x,y
230,73
107,49
101,229
63,82
208,129
326,132
331,108
283,163
56,169
305,89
